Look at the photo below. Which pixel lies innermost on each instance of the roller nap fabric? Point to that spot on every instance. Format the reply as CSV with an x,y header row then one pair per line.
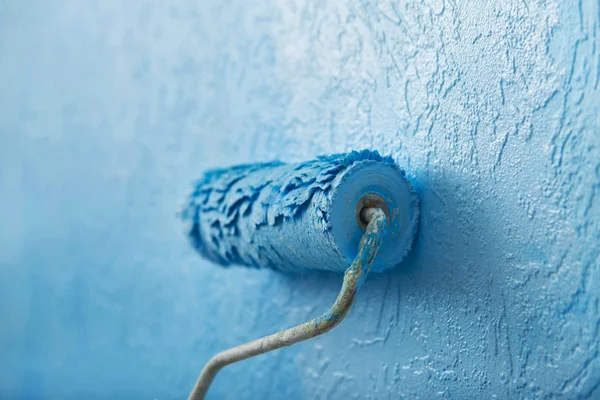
x,y
300,216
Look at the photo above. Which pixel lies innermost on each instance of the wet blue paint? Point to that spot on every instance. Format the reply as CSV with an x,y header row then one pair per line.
x,y
297,217
109,110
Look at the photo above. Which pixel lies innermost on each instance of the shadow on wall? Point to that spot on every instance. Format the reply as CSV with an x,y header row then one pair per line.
x,y
446,249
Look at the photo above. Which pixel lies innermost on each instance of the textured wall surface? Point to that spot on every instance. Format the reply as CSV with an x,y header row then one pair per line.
x,y
109,110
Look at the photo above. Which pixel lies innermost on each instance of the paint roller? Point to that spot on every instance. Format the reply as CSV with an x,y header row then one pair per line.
x,y
350,213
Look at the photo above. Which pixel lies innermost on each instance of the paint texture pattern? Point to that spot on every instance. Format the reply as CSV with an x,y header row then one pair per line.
x,y
110,109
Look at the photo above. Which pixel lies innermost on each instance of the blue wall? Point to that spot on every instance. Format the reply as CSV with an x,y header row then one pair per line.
x,y
110,109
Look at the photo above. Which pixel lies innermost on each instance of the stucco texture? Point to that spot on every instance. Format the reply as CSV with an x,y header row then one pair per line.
x,y
109,110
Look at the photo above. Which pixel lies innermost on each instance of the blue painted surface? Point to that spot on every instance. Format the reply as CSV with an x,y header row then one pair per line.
x,y
109,110
301,216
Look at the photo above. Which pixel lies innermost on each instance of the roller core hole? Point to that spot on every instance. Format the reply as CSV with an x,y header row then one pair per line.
x,y
369,201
